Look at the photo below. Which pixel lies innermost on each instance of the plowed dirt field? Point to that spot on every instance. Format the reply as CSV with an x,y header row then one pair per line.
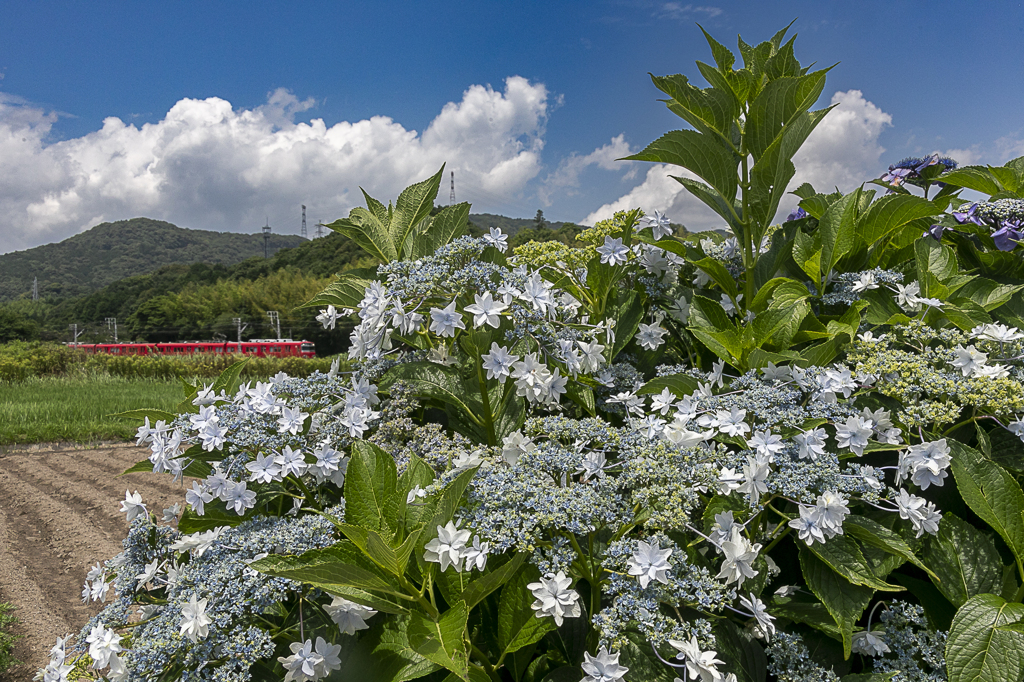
x,y
59,514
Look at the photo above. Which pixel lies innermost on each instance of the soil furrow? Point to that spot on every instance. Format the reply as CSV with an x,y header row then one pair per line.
x,y
158,490
40,619
53,544
59,515
74,492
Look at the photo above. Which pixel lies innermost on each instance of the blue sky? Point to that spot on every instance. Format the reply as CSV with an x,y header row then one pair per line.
x,y
242,77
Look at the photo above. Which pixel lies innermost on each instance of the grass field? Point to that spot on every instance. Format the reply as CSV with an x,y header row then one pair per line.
x,y
77,410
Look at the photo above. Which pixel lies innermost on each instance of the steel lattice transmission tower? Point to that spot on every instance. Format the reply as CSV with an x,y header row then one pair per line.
x,y
451,197
303,221
266,239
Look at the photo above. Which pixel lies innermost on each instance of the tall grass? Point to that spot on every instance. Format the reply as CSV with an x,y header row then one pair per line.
x,y
45,409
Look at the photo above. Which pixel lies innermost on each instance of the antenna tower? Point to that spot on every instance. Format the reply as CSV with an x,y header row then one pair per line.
x,y
266,239
451,197
303,221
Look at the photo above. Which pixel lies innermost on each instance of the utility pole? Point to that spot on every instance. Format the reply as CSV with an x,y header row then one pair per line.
x,y
112,321
241,327
451,197
275,322
266,239
75,333
35,288
304,221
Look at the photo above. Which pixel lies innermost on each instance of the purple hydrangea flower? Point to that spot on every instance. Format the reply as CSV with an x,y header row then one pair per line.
x,y
796,214
1007,236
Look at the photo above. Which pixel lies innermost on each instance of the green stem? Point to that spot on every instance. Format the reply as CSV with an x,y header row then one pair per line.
x,y
492,439
305,491
486,667
774,542
953,428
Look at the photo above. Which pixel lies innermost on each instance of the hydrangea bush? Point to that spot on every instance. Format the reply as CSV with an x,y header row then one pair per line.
x,y
792,453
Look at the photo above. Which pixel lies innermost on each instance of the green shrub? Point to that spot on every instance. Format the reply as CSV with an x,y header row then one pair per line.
x,y
7,638
22,360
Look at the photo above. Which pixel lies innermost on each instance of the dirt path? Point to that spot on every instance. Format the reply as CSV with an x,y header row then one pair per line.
x,y
59,515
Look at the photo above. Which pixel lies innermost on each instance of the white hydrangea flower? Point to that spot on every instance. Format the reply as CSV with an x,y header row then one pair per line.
x,y
650,562
349,616
968,360
446,548
195,624
554,598
869,643
700,665
740,554
602,668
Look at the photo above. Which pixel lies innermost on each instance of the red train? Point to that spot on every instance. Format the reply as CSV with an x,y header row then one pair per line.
x,y
277,348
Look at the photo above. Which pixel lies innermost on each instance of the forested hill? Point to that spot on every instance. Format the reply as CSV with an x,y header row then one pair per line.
x,y
113,251
511,226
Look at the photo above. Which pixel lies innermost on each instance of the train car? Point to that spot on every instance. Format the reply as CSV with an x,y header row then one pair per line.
x,y
276,348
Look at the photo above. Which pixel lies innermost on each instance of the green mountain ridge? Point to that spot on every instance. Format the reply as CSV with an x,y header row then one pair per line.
x,y
110,252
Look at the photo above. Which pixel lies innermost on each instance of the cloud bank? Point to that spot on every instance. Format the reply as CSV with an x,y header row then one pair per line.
x,y
209,165
843,151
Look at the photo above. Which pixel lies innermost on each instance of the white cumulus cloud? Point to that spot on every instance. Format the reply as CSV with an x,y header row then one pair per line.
x,y
209,165
566,178
842,151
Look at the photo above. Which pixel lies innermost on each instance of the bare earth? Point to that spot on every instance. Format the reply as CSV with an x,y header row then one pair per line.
x,y
59,514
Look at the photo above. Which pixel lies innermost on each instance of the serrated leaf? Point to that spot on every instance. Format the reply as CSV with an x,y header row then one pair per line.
x,y
346,292
518,625
705,156
442,641
843,555
742,654
214,515
872,533
965,560
681,385
445,384
977,650
479,588
342,565
412,206
845,601
991,493
371,489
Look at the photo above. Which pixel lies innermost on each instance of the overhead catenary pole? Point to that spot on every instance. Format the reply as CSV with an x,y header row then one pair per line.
x,y
275,322
241,327
112,321
75,333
